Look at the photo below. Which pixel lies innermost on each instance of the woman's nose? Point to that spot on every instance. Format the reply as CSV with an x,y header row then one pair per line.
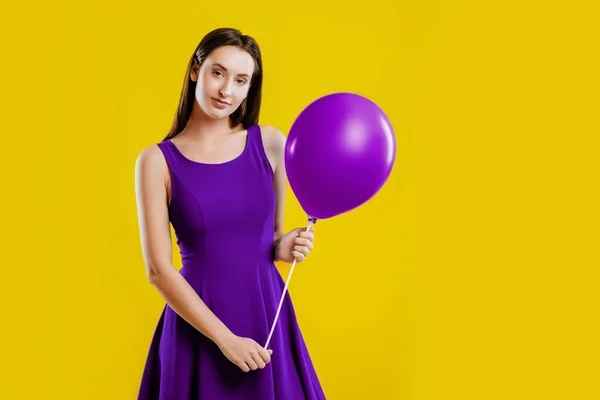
x,y
226,90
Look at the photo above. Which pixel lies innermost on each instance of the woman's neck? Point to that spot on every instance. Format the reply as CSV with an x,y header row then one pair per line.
x,y
201,126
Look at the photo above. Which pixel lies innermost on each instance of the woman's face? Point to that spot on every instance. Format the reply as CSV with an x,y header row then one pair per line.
x,y
223,81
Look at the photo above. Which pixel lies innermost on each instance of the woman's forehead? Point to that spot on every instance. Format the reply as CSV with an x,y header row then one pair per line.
x,y
232,59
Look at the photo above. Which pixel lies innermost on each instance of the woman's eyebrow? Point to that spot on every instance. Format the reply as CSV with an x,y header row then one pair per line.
x,y
225,69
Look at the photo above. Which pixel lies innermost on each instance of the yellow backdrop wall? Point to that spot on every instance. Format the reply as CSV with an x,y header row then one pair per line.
x,y
473,274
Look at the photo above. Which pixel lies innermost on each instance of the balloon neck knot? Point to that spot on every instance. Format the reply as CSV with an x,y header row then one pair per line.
x,y
312,219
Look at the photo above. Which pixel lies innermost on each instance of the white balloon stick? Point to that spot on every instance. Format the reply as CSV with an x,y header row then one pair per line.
x,y
310,222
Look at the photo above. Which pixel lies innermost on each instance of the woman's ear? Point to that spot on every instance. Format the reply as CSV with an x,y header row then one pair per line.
x,y
195,70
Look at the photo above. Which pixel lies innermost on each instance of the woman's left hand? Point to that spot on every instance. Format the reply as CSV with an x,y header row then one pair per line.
x,y
298,243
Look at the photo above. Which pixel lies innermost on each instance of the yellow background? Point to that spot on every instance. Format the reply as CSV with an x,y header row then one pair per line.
x,y
472,275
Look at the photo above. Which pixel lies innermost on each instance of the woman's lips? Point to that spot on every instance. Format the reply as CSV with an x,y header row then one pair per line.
x,y
219,104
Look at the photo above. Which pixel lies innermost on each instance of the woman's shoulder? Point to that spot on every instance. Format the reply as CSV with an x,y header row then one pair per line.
x,y
273,139
151,158
274,144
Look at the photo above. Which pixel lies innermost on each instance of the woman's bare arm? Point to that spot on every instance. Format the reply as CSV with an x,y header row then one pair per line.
x,y
274,143
297,243
151,177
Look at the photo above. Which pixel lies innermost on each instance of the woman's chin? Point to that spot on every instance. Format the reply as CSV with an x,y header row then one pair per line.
x,y
215,113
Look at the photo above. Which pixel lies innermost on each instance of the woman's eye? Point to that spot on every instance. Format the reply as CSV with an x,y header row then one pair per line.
x,y
218,73
241,81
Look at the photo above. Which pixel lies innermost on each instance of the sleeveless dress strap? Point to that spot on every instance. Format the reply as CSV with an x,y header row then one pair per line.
x,y
255,141
173,163
165,147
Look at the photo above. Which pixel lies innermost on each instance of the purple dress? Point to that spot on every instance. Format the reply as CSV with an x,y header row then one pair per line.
x,y
223,217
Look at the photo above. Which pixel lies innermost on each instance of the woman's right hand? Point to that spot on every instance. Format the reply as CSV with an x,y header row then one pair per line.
x,y
245,353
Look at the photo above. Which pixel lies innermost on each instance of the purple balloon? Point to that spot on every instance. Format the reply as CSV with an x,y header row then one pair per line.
x,y
339,153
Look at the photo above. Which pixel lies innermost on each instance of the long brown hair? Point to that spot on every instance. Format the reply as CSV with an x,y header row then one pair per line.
x,y
248,112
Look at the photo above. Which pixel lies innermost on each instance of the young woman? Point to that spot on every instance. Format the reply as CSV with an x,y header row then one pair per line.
x,y
218,177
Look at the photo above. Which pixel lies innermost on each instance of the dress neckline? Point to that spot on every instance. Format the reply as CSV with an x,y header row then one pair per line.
x,y
236,158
